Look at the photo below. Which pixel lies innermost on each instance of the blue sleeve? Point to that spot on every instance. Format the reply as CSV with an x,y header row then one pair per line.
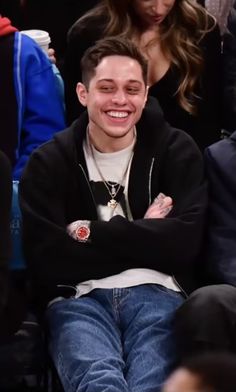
x,y
221,244
41,108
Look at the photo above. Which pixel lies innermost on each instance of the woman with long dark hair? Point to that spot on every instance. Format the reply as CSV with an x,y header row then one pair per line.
x,y
182,43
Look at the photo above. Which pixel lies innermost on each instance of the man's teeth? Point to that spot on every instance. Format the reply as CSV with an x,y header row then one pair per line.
x,y
118,114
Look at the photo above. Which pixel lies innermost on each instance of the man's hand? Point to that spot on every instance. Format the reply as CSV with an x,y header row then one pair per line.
x,y
52,55
160,207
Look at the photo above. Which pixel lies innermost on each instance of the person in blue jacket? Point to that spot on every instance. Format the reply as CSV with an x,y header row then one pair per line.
x,y
31,109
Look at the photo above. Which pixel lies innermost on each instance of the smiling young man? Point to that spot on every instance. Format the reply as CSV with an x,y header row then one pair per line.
x,y
113,213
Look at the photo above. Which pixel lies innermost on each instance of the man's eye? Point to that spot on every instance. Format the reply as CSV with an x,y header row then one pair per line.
x,y
132,90
106,88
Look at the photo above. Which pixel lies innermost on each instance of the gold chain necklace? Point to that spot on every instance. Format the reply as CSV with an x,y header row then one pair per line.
x,y
112,203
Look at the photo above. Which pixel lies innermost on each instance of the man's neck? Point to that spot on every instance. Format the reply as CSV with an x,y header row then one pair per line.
x,y
112,144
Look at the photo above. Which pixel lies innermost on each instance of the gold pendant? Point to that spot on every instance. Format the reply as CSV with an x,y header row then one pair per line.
x,y
112,203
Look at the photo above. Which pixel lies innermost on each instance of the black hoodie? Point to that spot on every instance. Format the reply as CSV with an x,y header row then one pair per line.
x,y
55,191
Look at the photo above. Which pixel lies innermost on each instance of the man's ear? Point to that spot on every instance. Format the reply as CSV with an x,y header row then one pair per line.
x,y
146,95
82,93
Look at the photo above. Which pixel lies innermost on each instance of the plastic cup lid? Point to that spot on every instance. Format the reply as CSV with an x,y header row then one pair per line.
x,y
40,36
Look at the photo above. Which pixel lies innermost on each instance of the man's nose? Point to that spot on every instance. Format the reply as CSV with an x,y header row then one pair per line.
x,y
119,97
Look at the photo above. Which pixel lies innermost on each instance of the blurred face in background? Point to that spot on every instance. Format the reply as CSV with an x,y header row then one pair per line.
x,y
182,380
152,12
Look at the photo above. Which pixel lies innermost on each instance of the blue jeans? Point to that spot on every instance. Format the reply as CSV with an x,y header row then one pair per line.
x,y
116,340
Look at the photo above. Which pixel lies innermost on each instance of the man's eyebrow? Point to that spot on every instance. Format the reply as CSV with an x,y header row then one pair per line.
x,y
105,80
135,81
112,80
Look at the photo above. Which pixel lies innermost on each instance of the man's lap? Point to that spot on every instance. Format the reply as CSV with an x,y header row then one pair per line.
x,y
124,330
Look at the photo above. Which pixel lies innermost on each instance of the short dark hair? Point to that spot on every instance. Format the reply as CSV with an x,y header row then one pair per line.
x,y
111,46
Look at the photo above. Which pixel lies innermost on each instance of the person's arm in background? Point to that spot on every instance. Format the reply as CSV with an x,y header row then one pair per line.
x,y
221,245
41,109
210,109
225,15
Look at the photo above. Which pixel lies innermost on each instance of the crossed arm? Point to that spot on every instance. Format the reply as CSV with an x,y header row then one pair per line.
x,y
159,209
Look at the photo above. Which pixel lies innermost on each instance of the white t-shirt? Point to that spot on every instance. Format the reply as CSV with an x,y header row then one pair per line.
x,y
112,166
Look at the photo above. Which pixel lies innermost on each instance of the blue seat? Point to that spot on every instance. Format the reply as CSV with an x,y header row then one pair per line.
x,y
23,358
30,338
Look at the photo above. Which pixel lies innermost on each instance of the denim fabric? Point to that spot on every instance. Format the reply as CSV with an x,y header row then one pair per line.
x,y
114,339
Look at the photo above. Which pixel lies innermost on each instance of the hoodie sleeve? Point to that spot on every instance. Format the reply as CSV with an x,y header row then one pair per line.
x,y
41,109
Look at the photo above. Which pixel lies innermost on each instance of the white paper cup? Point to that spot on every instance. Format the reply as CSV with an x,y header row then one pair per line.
x,y
40,36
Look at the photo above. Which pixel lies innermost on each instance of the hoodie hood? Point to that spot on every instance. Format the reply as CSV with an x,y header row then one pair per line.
x,y
6,27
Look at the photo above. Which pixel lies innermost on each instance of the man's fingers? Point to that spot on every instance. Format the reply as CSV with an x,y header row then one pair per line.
x,y
160,207
156,212
165,211
163,202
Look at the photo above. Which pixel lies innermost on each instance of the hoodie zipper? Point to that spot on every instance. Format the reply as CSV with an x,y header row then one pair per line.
x,y
150,181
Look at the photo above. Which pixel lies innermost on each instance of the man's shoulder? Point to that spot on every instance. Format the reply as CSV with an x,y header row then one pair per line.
x,y
163,134
222,149
184,145
220,158
52,160
61,141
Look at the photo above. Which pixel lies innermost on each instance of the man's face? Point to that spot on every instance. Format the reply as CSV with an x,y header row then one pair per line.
x,y
115,97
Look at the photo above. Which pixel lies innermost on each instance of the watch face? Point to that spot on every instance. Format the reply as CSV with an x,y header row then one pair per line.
x,y
82,233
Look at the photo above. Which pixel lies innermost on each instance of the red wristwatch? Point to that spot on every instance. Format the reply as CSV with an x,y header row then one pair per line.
x,y
82,231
